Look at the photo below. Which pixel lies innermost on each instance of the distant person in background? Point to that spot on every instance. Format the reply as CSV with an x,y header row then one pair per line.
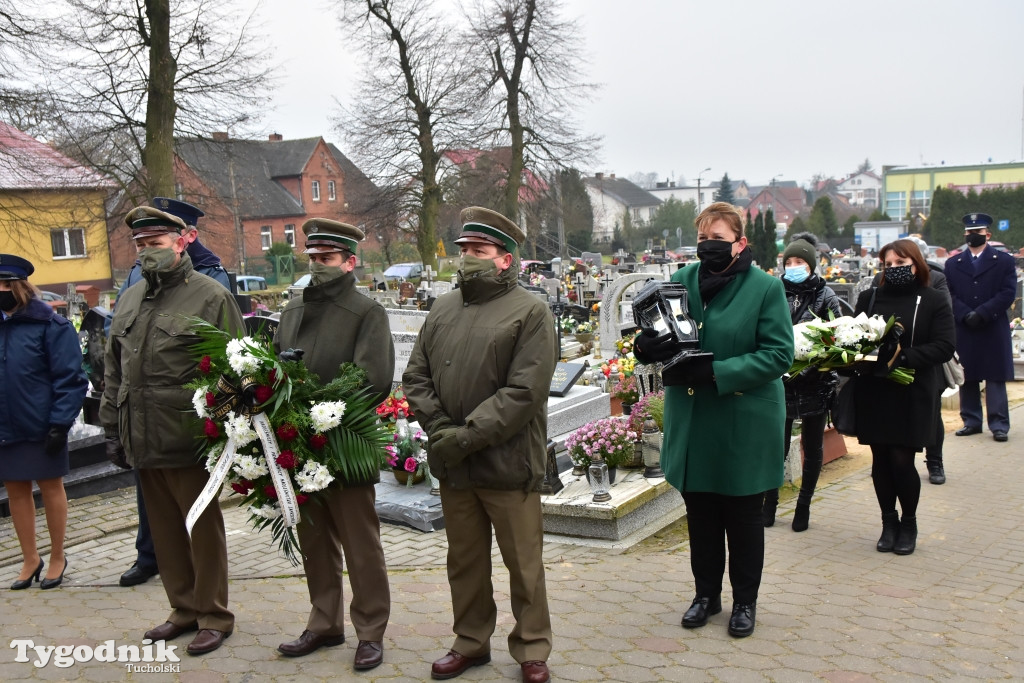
x,y
809,394
203,261
932,453
983,284
44,386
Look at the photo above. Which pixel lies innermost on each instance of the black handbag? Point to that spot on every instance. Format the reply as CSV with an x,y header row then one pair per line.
x,y
843,412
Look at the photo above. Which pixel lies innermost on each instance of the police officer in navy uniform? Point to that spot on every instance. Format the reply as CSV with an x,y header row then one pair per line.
x,y
203,261
983,283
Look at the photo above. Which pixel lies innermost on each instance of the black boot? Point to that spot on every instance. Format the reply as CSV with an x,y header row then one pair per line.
x,y
907,539
890,530
771,503
936,473
801,517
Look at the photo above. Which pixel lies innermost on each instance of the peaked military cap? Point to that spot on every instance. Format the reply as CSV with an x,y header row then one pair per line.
x,y
324,235
183,210
977,221
14,267
145,221
483,225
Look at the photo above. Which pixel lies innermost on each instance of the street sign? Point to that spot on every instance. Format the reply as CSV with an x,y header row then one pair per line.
x,y
1004,225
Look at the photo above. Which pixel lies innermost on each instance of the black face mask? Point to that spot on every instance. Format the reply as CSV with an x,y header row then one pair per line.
x,y
7,301
716,255
976,239
898,276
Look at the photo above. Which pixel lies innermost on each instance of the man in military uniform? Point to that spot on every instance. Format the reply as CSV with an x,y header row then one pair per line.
x,y
983,283
478,381
332,323
203,261
146,412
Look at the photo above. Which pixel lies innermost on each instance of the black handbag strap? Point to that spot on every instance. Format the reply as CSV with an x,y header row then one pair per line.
x,y
871,304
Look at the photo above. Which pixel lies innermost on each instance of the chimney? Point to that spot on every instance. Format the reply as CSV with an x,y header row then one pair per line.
x,y
672,183
275,137
599,176
612,176
220,136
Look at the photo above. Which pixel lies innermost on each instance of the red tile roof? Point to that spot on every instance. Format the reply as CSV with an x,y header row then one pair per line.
x,y
28,164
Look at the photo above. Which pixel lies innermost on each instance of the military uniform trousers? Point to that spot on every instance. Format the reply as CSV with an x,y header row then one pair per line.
x,y
194,570
996,405
345,521
518,526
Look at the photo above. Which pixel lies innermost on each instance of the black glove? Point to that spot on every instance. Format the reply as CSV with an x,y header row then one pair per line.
x,y
56,440
657,347
291,355
115,453
693,370
444,445
890,348
974,320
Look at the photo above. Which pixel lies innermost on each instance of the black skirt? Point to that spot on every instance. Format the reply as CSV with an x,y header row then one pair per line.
x,y
26,461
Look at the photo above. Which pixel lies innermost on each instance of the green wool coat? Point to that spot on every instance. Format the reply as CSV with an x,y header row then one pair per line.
x,y
727,437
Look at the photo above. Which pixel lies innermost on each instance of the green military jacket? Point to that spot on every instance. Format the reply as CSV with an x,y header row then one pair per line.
x,y
727,437
334,324
149,358
484,360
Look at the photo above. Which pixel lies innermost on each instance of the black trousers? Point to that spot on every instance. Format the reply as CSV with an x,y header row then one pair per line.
x,y
713,520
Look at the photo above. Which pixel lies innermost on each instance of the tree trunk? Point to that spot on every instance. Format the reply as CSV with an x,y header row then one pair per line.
x,y
159,152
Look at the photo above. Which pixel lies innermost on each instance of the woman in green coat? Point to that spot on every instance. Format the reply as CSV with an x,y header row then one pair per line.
x,y
724,413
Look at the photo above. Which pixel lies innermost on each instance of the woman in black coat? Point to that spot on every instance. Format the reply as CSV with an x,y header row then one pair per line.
x,y
809,394
43,388
898,420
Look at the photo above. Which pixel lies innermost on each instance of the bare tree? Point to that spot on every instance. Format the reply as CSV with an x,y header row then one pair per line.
x,y
531,79
125,77
411,106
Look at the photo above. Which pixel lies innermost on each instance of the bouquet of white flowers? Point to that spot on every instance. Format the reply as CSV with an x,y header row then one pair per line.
x,y
844,342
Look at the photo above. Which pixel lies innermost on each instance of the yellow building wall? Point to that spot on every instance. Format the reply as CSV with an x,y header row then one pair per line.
x,y
1004,175
26,219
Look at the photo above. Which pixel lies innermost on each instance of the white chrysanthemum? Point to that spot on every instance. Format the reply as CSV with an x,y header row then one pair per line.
x,y
326,415
265,511
212,456
802,346
313,477
849,337
199,402
240,429
237,346
244,363
250,467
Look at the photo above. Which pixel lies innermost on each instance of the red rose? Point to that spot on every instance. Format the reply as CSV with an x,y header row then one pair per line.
x,y
287,432
239,488
317,442
410,464
301,498
211,399
272,377
211,430
263,394
270,491
286,459
204,365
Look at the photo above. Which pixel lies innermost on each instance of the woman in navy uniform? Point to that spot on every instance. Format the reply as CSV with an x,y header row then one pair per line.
x,y
43,389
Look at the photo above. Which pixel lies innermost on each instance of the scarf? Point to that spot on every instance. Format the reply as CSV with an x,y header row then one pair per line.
x,y
711,283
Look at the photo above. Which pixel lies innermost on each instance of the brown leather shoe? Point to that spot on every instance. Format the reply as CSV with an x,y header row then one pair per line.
x,y
535,672
207,640
453,664
369,654
169,631
309,642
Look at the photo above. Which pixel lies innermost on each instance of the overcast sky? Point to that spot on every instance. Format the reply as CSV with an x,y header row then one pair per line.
x,y
755,88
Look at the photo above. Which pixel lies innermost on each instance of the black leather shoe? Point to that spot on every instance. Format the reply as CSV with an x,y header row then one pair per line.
x,y
741,623
968,431
936,474
700,610
308,642
369,655
453,664
47,584
137,575
906,542
890,532
999,435
22,584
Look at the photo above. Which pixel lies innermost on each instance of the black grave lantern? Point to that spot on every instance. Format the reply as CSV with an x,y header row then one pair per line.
x,y
663,306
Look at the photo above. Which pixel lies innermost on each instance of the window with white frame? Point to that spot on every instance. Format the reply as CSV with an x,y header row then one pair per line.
x,y
289,234
316,190
266,237
68,242
896,204
331,193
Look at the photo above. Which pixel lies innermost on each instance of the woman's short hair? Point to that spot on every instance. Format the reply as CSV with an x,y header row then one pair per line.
x,y
907,249
721,211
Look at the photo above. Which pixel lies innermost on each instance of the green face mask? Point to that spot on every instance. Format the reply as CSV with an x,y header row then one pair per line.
x,y
472,267
323,274
157,259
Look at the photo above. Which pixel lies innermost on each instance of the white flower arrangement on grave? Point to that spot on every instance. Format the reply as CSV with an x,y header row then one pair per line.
x,y
275,434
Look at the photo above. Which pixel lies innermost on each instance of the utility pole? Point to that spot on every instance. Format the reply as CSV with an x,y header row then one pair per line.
x,y
699,202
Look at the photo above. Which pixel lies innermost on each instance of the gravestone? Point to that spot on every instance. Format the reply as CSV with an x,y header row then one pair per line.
x,y
403,341
565,377
441,287
405,319
610,322
591,257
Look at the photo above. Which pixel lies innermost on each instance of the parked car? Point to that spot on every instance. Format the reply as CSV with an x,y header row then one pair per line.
x,y
55,300
404,271
250,283
295,289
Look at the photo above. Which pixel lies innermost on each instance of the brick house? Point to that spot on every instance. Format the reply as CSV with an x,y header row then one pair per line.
x,y
256,193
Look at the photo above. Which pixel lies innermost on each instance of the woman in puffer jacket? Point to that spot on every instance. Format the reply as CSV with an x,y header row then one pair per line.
x,y
808,394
